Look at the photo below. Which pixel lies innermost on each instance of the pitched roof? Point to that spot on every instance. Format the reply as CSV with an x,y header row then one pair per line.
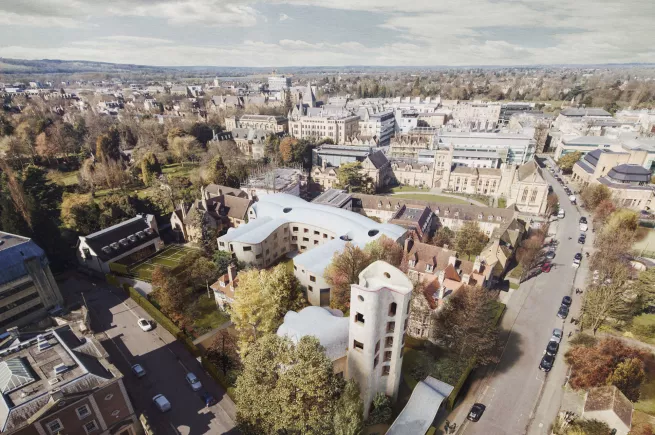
x,y
425,253
581,111
378,159
530,170
136,227
609,398
626,172
236,207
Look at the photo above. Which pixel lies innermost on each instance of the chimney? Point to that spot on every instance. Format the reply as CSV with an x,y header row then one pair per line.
x,y
452,260
231,272
183,208
442,291
442,276
466,278
477,264
409,243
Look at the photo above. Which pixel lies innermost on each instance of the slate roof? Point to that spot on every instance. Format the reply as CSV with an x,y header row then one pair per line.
x,y
530,170
14,250
609,398
114,234
378,159
630,173
236,207
580,111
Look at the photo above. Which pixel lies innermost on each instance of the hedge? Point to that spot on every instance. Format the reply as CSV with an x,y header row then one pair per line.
x,y
111,280
164,321
118,268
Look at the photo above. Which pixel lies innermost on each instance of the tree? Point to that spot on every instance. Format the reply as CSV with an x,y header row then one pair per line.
x,y
80,213
467,325
351,178
470,239
628,377
603,211
222,260
385,249
286,388
343,271
594,366
593,195
149,167
170,292
552,203
202,132
218,171
622,219
264,297
203,271
529,249
567,161
607,298
224,352
348,411
108,146
645,286
380,410
287,146
184,148
444,237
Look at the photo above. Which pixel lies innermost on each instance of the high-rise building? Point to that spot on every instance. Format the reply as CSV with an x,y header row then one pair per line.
x,y
277,83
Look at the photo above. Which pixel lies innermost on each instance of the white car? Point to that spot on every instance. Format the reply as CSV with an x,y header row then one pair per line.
x,y
193,381
584,227
144,324
557,335
162,403
138,370
576,263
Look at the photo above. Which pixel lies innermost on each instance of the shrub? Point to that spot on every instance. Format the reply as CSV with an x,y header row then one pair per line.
x,y
644,325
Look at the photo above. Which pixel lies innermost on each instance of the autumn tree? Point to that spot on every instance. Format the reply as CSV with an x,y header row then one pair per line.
x,y
467,325
607,298
264,297
645,286
552,203
444,237
349,410
343,271
170,293
80,213
603,211
567,161
149,167
223,351
529,249
286,147
385,249
628,377
593,194
470,239
286,388
184,148
622,219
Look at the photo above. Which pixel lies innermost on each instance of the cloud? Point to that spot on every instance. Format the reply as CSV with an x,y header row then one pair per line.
x,y
284,17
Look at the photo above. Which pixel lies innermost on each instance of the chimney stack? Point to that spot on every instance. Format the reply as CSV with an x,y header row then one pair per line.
x,y
231,272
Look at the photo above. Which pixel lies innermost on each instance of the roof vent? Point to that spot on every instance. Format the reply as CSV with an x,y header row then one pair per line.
x,y
286,209
115,246
60,368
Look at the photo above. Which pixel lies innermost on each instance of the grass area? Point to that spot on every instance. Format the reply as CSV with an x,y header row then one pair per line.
x,y
399,189
169,258
177,170
64,178
206,315
647,243
502,203
517,272
433,198
646,401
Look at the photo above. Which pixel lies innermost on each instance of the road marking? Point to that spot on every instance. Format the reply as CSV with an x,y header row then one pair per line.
x,y
175,431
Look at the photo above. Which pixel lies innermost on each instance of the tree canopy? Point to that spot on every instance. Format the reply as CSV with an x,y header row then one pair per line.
x,y
567,161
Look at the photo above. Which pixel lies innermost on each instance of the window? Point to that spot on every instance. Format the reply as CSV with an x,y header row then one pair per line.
x,y
375,361
316,242
525,195
386,370
312,278
377,346
392,309
83,412
391,326
358,345
91,426
388,342
406,323
295,229
533,197
305,239
294,238
286,230
305,230
317,233
387,356
325,236
359,318
247,248
310,288
258,256
55,426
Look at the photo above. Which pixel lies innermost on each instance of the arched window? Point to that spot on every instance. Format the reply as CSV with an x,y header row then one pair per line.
x,y
525,195
392,309
533,197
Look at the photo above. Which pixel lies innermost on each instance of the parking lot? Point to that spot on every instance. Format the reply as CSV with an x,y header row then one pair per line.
x,y
114,320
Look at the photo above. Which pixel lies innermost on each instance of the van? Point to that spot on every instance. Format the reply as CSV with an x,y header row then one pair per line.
x,y
561,214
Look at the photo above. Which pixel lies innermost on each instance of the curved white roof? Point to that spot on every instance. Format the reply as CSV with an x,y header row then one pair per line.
x,y
331,331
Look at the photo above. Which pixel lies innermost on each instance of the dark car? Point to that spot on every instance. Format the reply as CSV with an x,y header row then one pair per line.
x,y
563,312
583,220
582,240
578,256
208,399
476,412
566,300
552,348
546,363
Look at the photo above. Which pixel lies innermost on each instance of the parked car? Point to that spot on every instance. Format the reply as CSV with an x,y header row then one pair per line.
x,y
563,312
561,214
577,259
583,220
584,226
208,399
546,363
162,403
138,370
193,381
545,268
557,335
550,254
551,348
566,300
582,239
476,412
144,324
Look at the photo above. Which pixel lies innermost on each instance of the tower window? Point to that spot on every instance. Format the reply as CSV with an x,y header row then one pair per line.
x,y
392,309
358,345
359,318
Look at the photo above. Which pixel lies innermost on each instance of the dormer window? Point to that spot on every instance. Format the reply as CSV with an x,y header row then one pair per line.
x,y
491,218
412,263
379,204
479,217
428,268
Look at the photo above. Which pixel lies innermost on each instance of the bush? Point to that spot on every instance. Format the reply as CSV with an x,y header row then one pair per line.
x,y
643,325
583,340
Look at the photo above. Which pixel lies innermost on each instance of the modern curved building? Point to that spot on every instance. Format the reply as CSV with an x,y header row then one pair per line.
x,y
282,224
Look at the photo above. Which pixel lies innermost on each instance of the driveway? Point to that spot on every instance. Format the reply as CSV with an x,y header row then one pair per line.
x,y
166,361
513,388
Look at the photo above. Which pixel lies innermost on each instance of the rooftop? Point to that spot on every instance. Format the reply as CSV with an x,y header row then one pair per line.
x,y
581,111
120,238
14,250
609,398
630,173
333,197
278,179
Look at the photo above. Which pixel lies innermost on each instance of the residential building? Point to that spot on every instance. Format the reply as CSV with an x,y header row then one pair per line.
x,y
225,288
621,173
269,123
280,224
609,405
328,158
319,123
379,316
27,288
124,243
277,83
56,382
219,208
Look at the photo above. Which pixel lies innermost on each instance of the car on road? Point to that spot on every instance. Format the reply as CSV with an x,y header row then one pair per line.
x,y
545,268
550,254
162,403
138,370
563,312
576,260
561,214
583,226
193,381
208,399
566,300
557,335
144,324
583,220
546,363
582,239
476,412
552,348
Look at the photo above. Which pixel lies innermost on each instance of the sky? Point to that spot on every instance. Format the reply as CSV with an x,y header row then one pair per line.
x,y
330,32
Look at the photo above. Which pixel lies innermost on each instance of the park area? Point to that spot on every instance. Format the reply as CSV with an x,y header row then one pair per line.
x,y
170,257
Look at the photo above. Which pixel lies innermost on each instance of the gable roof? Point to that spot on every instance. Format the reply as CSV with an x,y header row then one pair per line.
x,y
236,207
609,398
378,159
114,234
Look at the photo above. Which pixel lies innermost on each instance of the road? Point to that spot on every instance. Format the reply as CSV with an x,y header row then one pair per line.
x,y
513,388
166,361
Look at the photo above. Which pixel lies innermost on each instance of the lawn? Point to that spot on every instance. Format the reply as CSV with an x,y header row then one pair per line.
x,y
647,244
206,314
170,257
399,189
432,198
177,170
64,178
646,402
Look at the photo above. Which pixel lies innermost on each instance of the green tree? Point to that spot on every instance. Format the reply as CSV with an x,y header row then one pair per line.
x,y
222,260
385,249
170,293
645,286
622,219
218,171
184,148
80,213
286,388
351,178
444,237
470,239
202,132
567,161
343,271
348,411
149,166
381,411
628,377
264,297
108,146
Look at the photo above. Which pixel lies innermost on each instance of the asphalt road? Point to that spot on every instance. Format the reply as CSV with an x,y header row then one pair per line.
x,y
166,361
515,386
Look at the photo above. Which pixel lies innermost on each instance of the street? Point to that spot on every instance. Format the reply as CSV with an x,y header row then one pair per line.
x,y
514,388
166,361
